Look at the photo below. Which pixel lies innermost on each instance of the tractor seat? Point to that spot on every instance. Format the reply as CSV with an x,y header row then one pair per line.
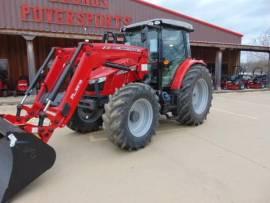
x,y
168,73
57,100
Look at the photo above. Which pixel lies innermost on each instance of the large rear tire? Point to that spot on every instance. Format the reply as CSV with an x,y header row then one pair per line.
x,y
131,116
86,121
195,97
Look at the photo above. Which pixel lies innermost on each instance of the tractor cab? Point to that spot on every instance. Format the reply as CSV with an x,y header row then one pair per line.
x,y
168,44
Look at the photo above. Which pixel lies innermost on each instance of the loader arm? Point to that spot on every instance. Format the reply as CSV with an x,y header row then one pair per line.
x,y
24,152
70,65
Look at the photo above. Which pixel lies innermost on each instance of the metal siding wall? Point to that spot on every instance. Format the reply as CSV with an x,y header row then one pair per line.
x,y
10,19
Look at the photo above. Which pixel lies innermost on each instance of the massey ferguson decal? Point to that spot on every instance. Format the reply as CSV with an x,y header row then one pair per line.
x,y
122,48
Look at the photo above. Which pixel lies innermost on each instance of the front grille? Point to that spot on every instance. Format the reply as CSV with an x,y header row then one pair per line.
x,y
92,87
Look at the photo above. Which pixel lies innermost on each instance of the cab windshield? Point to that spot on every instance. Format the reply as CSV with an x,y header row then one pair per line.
x,y
134,39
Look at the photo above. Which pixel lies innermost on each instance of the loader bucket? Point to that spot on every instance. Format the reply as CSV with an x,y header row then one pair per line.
x,y
23,158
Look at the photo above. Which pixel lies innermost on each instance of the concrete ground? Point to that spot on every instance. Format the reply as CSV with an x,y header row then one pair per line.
x,y
225,160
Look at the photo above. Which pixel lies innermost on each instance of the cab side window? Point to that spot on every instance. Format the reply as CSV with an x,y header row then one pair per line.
x,y
174,50
173,45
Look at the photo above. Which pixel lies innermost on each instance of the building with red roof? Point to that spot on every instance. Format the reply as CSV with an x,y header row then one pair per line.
x,y
29,28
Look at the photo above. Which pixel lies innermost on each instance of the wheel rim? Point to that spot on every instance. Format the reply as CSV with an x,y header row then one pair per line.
x,y
200,96
140,118
89,116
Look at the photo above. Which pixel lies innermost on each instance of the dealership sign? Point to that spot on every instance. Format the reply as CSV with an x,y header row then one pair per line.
x,y
91,3
69,17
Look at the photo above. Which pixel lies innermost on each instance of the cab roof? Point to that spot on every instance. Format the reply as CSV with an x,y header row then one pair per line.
x,y
173,23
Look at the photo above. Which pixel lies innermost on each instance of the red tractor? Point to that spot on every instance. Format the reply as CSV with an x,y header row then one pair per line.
x,y
124,86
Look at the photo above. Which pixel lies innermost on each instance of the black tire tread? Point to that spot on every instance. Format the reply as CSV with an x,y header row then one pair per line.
x,y
185,114
78,125
116,108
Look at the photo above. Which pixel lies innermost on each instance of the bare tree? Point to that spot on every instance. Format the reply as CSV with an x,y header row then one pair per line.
x,y
255,60
264,39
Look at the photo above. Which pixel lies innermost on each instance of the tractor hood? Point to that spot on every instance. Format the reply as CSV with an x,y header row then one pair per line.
x,y
133,56
102,71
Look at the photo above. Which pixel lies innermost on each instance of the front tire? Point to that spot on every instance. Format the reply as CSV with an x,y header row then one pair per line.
x,y
131,116
86,121
195,97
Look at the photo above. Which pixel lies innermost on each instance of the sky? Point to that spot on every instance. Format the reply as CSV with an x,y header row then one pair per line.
x,y
249,17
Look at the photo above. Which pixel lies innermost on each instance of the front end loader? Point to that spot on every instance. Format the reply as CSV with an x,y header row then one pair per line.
x,y
125,87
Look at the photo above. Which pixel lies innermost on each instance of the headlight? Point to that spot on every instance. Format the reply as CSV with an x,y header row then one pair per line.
x,y
100,80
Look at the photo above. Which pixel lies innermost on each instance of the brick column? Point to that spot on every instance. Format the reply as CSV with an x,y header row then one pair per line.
x,y
218,69
30,56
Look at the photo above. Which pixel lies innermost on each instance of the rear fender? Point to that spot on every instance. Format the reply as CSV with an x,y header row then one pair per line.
x,y
182,71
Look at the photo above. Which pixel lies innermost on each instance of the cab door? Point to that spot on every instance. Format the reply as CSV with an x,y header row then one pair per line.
x,y
175,50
